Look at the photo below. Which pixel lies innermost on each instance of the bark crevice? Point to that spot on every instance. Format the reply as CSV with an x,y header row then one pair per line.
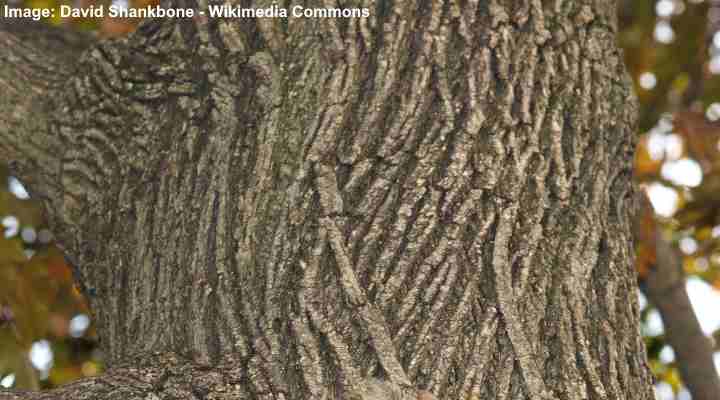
x,y
36,60
432,197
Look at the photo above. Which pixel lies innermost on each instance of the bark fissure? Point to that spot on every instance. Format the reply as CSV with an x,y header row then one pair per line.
x,y
434,197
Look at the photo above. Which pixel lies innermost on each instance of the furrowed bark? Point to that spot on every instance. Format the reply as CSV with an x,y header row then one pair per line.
x,y
154,376
435,197
35,60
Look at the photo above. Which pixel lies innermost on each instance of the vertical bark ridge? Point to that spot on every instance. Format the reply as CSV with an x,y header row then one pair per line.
x,y
414,198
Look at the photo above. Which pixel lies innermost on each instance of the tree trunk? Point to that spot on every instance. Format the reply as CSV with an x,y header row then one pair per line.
x,y
433,199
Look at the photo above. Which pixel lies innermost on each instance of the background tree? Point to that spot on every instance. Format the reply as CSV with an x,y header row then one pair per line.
x,y
439,198
672,51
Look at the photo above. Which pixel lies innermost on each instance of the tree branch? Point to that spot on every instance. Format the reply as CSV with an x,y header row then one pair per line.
x,y
138,379
36,59
167,375
694,351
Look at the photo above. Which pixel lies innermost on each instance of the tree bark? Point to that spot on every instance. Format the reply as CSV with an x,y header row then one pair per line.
x,y
434,199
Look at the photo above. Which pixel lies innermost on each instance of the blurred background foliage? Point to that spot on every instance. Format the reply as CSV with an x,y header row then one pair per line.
x,y
46,333
672,50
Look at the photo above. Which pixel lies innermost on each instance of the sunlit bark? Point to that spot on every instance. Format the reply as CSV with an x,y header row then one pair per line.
x,y
432,198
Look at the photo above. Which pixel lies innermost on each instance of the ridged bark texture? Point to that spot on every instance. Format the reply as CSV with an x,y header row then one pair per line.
x,y
437,197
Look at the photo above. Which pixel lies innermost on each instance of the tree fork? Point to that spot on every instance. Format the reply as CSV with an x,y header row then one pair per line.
x,y
36,59
434,198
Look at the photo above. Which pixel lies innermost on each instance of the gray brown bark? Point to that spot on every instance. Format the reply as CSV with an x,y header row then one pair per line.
x,y
435,197
35,59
